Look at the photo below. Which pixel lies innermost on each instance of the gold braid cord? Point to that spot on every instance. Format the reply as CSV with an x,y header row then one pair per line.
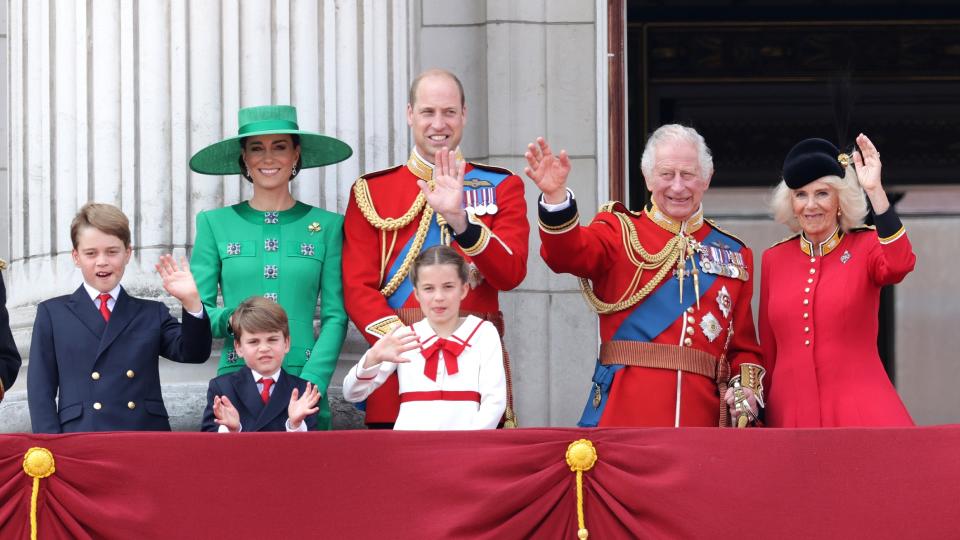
x,y
581,455
664,260
38,463
361,193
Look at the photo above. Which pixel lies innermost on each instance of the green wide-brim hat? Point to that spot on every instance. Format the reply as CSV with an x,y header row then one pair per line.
x,y
316,150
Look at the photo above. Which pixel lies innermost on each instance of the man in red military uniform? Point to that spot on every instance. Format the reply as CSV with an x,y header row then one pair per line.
x,y
671,289
435,197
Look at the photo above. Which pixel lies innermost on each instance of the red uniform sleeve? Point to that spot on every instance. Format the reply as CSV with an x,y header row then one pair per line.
x,y
361,272
499,246
892,258
744,348
569,248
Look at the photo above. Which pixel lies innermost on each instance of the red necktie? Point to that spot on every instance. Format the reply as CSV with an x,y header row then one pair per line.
x,y
265,393
451,350
104,309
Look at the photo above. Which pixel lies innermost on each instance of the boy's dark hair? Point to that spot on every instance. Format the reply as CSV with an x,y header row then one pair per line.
x,y
440,255
106,218
258,314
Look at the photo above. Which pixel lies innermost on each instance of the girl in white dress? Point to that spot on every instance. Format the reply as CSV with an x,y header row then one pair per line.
x,y
450,368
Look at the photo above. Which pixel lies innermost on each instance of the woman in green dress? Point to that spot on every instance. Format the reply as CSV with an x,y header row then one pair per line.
x,y
273,245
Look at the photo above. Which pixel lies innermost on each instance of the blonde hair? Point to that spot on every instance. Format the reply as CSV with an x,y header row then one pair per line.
x,y
258,314
853,202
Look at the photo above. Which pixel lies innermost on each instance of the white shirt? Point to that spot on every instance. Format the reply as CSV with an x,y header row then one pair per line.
x,y
479,369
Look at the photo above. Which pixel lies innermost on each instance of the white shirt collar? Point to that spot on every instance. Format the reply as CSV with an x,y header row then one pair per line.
x,y
257,376
95,294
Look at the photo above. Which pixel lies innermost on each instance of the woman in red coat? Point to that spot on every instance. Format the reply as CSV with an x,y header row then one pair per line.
x,y
820,291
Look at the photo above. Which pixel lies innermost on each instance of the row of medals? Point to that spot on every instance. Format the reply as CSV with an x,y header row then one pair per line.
x,y
480,201
715,259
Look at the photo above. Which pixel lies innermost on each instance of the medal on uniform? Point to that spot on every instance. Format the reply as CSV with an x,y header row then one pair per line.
x,y
491,201
469,202
725,302
481,208
710,326
845,257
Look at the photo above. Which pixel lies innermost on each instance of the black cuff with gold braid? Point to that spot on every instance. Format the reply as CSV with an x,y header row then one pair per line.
x,y
471,238
560,221
889,226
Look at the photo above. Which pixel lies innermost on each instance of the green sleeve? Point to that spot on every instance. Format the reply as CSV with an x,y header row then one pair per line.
x,y
205,265
333,318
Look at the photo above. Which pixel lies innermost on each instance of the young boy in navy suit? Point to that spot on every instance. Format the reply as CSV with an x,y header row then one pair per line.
x,y
98,349
255,398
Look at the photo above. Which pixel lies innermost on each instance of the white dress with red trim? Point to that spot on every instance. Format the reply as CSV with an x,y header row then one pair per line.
x,y
456,383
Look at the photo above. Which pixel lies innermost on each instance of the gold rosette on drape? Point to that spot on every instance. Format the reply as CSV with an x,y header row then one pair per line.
x,y
581,455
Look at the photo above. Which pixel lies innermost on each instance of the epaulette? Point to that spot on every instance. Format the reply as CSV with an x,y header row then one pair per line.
x,y
724,231
491,168
617,207
3,264
375,174
862,228
787,239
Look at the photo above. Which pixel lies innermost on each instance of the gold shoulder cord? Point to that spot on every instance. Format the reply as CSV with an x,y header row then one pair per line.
x,y
663,260
362,194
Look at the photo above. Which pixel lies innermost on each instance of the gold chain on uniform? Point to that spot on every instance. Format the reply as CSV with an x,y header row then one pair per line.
x,y
663,260
361,193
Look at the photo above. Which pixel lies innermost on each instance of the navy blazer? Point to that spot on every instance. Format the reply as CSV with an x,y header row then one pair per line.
x,y
107,373
9,357
241,388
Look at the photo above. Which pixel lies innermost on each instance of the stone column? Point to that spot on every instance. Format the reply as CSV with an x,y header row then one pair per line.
x,y
108,99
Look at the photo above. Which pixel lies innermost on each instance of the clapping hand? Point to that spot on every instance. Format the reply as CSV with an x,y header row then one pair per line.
x,y
391,347
179,282
226,414
548,171
302,406
446,197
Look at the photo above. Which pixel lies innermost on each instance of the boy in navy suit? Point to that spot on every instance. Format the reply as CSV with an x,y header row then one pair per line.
x,y
98,349
255,398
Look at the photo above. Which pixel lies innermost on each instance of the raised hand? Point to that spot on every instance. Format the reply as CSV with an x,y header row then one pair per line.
x,y
302,406
866,161
390,347
446,197
179,282
225,414
548,171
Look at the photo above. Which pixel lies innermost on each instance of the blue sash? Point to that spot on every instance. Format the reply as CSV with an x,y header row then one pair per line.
x,y
403,292
648,320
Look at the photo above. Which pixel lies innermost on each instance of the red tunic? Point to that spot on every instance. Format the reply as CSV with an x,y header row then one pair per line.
x,y
643,396
818,330
498,248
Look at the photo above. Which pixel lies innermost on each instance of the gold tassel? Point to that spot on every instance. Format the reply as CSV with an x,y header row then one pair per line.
x,y
581,456
37,463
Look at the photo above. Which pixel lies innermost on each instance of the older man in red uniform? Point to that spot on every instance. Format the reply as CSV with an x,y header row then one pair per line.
x,y
433,198
671,289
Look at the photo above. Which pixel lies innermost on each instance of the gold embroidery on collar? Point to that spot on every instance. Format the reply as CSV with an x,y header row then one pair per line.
x,y
689,226
824,247
422,168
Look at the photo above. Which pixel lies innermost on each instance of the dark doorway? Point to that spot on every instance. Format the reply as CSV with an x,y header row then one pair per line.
x,y
754,78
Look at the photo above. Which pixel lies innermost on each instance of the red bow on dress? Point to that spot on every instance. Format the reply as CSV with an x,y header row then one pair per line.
x,y
451,350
